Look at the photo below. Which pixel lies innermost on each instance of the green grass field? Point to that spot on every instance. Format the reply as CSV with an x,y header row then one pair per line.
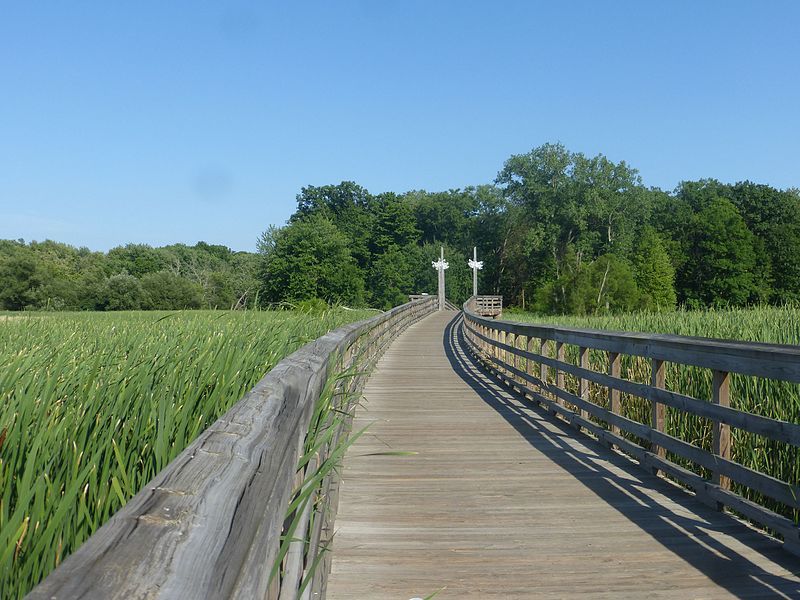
x,y
93,405
775,399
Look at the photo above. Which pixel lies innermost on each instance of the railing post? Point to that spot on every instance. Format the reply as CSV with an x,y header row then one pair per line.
x,y
502,335
543,343
512,358
658,381
721,431
613,394
559,372
516,360
529,369
583,354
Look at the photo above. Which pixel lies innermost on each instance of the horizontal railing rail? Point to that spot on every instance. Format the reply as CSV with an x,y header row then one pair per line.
x,y
211,523
533,359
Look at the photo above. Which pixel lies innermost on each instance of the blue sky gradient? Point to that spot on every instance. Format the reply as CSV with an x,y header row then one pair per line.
x,y
163,122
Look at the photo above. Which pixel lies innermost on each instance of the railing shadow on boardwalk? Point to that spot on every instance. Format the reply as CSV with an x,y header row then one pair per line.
x,y
714,559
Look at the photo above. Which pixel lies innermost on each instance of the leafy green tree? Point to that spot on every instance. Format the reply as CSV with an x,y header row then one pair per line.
x,y
19,277
541,230
493,229
774,217
604,286
540,183
348,206
670,219
218,291
571,208
310,258
615,201
123,292
135,259
394,224
243,277
445,217
166,291
391,278
721,261
653,272
783,245
91,288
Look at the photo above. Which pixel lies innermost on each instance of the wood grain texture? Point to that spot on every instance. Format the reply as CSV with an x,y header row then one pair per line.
x,y
721,396
503,501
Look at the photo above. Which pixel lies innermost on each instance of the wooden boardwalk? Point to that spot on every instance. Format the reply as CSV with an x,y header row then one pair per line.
x,y
503,501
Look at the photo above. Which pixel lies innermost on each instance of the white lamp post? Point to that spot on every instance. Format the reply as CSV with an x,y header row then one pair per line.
x,y
440,265
476,265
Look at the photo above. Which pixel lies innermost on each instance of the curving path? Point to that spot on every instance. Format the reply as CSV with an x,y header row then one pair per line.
x,y
503,501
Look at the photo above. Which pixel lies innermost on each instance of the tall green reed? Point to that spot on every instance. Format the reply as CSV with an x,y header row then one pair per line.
x,y
93,405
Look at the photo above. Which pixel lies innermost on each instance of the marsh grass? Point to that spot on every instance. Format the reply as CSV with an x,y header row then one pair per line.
x,y
93,405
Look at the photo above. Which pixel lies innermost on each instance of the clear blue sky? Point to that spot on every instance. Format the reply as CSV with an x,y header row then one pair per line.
x,y
164,122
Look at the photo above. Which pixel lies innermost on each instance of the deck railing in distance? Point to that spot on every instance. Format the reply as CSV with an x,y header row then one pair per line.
x,y
412,297
532,359
488,306
210,524
447,304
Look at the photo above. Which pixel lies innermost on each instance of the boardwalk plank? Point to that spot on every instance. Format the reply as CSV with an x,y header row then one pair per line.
x,y
502,501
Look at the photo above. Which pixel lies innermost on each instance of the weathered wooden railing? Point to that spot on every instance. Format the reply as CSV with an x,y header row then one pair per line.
x,y
210,524
532,358
488,306
447,304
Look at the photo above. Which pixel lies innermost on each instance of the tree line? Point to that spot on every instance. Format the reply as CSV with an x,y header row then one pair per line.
x,y
54,276
558,231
